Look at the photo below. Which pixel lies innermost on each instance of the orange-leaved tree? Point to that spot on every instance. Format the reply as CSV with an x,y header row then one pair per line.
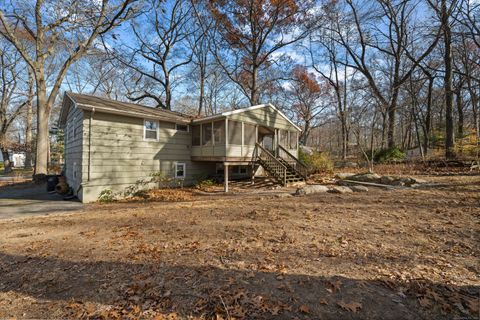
x,y
251,35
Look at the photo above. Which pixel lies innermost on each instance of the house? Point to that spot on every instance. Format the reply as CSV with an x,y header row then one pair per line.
x,y
113,144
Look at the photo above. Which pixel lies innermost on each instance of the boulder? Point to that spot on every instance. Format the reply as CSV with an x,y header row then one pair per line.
x,y
359,188
340,189
387,180
419,181
344,175
366,177
283,195
312,188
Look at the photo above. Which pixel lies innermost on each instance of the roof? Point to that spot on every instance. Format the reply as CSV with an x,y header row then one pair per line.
x,y
259,106
90,102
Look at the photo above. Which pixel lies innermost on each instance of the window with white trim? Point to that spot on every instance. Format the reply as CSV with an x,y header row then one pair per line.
x,y
180,170
181,127
150,130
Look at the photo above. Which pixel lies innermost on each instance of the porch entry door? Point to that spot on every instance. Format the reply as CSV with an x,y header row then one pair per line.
x,y
266,138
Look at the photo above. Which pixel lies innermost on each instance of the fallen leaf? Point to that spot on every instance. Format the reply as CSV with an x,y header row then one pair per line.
x,y
350,306
304,309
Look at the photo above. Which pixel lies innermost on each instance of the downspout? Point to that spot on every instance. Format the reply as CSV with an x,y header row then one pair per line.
x,y
90,142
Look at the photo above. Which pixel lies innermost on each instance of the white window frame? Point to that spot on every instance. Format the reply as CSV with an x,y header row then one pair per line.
x,y
145,130
184,170
177,124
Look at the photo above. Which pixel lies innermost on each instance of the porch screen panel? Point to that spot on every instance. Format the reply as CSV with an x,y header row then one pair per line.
x,y
249,134
293,140
284,138
219,132
207,134
195,135
234,132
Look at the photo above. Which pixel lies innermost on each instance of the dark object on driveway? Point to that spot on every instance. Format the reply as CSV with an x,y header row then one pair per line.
x,y
52,181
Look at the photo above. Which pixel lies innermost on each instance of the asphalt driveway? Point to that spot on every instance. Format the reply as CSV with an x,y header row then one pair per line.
x,y
27,199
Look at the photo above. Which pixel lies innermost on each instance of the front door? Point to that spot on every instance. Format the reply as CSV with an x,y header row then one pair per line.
x,y
266,137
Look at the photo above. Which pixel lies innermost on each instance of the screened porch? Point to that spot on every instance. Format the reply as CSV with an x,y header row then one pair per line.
x,y
225,139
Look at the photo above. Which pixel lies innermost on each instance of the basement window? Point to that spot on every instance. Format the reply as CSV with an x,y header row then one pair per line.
x,y
150,131
180,170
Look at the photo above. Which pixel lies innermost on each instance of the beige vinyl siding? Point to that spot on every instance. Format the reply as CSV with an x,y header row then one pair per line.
x,y
119,155
266,116
73,148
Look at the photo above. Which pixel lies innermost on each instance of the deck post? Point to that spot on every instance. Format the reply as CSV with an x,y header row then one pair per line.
x,y
225,177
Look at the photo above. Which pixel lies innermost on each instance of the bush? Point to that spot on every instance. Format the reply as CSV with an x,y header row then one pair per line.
x,y
106,195
204,184
317,162
389,155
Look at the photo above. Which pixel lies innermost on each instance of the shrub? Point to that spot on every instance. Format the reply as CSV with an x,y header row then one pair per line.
x,y
204,184
388,155
106,195
317,162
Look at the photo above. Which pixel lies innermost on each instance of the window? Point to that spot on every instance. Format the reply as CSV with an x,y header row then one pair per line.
x,y
293,140
181,127
195,135
150,130
249,133
180,170
219,132
243,170
207,134
235,132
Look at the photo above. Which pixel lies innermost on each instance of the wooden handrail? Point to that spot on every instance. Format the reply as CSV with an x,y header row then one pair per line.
x,y
304,171
274,159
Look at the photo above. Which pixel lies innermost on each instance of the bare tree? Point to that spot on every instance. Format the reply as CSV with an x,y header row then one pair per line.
x,y
251,32
11,103
60,32
162,33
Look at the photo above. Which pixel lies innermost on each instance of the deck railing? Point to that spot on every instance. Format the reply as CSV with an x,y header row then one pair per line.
x,y
272,164
293,161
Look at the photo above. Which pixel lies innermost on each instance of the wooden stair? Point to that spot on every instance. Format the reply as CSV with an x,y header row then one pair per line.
x,y
284,169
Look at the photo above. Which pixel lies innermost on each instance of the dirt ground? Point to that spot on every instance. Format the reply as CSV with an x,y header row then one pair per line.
x,y
385,254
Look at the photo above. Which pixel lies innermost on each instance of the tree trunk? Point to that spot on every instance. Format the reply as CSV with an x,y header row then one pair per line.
x,y
7,165
391,120
168,94
202,90
343,121
41,156
449,126
460,114
428,117
28,136
254,93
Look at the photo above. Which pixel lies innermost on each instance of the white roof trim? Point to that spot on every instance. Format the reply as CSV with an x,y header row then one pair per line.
x,y
259,106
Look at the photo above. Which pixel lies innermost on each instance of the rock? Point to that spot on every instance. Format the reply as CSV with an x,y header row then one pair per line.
x,y
313,188
359,188
344,175
366,177
283,195
340,189
420,181
387,180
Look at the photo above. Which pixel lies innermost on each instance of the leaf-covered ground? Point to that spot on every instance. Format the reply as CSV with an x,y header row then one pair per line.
x,y
403,254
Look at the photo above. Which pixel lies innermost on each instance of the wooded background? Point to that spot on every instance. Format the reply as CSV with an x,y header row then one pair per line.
x,y
356,76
